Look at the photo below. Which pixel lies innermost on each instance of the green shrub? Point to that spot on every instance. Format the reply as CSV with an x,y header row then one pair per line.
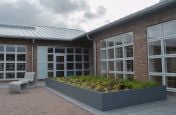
x,y
103,84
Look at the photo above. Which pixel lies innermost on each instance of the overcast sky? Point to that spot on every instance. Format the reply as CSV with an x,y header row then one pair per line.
x,y
79,14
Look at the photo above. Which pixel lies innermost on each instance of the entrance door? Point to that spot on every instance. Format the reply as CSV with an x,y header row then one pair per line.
x,y
60,66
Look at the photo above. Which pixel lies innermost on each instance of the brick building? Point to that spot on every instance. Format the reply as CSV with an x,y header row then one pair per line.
x,y
140,46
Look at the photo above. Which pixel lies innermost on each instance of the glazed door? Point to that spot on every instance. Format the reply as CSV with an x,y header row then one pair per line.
x,y
60,65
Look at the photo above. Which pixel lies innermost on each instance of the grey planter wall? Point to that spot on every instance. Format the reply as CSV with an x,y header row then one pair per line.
x,y
109,101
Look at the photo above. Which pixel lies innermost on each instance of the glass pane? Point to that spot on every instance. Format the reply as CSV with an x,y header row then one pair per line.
x,y
1,48
10,48
111,42
86,72
170,46
86,58
171,65
70,73
119,65
59,73
129,51
129,65
59,58
21,67
70,50
1,76
103,54
103,66
110,53
78,57
155,65
119,76
78,65
70,66
130,77
157,79
154,48
59,50
10,75
10,57
78,50
50,66
21,49
119,40
50,74
21,57
20,75
59,66
169,28
128,37
171,82
86,65
154,32
103,44
50,57
119,52
1,57
111,65
78,73
70,58
1,66
86,51
50,50
10,67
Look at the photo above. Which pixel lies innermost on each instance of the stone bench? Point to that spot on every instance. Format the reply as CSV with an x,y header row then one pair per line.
x,y
18,86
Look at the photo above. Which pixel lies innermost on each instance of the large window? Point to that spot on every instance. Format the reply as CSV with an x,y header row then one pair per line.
x,y
12,61
68,61
162,53
117,56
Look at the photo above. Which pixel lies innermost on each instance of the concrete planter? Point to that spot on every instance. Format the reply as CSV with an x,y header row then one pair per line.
x,y
109,101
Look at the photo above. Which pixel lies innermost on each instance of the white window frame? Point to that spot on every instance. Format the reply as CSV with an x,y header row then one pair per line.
x,y
14,62
82,54
163,56
124,58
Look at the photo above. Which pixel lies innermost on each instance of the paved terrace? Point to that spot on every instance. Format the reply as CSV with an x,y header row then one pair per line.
x,y
45,101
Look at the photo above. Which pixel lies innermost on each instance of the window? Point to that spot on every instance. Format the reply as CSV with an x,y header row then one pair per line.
x,y
103,44
154,48
110,53
21,57
21,49
59,50
169,28
162,53
170,47
10,57
1,57
119,52
103,54
21,67
121,65
154,32
129,51
68,61
1,48
155,65
10,48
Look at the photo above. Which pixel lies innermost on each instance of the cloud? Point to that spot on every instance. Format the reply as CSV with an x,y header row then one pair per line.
x,y
101,11
58,13
22,13
65,6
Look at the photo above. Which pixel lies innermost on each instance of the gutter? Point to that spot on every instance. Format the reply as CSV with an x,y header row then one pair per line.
x,y
94,54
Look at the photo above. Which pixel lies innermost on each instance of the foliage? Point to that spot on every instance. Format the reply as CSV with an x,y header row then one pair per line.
x,y
103,84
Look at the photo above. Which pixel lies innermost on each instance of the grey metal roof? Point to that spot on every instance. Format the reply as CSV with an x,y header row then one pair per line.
x,y
39,32
157,8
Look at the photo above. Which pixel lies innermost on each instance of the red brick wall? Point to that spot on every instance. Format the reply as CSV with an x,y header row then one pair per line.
x,y
139,29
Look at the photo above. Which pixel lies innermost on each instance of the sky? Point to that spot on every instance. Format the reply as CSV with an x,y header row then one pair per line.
x,y
84,15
